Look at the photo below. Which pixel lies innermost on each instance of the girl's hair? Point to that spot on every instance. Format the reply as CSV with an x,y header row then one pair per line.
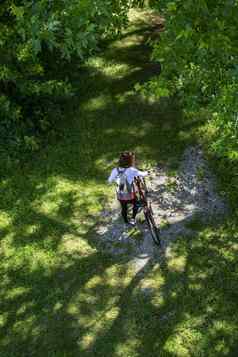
x,y
126,159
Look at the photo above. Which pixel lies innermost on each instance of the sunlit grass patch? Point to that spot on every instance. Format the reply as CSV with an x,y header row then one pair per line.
x,y
118,70
100,291
97,62
72,199
110,69
164,223
171,185
5,220
97,103
129,41
75,244
177,263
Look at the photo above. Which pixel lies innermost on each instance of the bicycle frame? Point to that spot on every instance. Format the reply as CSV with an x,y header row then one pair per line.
x,y
143,198
147,209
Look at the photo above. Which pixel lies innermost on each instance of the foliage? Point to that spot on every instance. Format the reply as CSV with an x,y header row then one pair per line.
x,y
36,37
198,53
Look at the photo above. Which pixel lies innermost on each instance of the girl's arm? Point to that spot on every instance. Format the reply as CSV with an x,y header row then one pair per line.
x,y
141,173
133,172
112,177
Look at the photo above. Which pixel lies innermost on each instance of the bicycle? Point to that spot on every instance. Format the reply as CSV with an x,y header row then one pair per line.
x,y
147,209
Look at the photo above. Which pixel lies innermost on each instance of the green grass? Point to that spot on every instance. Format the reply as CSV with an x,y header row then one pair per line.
x,y
195,223
60,295
171,185
200,173
164,223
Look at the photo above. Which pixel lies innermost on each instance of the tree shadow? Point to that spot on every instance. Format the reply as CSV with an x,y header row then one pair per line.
x,y
66,309
53,328
190,300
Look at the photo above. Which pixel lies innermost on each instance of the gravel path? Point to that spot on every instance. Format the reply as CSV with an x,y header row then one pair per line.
x,y
178,203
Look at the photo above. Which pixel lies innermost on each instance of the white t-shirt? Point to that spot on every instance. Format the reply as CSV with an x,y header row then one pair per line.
x,y
130,172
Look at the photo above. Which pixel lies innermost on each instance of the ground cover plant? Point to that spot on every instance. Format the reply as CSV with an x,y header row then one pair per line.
x,y
61,295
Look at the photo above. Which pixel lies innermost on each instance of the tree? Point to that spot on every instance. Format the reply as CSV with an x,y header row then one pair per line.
x,y
32,32
198,52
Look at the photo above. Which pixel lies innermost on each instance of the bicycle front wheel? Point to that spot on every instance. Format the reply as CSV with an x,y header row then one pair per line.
x,y
144,186
154,231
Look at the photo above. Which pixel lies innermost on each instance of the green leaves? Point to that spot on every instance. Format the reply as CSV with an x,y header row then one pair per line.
x,y
17,11
32,35
199,54
172,6
199,50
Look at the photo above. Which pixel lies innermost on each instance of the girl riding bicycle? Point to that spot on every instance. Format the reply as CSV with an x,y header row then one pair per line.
x,y
124,176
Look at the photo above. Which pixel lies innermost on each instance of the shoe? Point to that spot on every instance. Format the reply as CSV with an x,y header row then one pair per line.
x,y
132,222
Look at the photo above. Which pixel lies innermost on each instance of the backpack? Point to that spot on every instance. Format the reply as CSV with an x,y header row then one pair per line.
x,y
125,190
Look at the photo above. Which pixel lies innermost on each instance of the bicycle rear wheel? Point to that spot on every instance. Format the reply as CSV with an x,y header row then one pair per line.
x,y
154,231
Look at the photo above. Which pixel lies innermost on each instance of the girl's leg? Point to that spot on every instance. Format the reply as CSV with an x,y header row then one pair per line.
x,y
124,210
135,208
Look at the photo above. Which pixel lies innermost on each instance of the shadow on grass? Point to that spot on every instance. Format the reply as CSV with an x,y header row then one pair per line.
x,y
193,301
81,308
39,319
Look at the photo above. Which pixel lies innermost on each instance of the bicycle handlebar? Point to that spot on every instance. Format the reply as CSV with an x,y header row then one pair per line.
x,y
148,170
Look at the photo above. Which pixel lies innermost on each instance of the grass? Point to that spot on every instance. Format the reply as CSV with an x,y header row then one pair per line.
x,y
164,223
171,185
60,295
195,223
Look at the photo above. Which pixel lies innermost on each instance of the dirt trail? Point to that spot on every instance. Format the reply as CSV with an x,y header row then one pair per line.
x,y
180,203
